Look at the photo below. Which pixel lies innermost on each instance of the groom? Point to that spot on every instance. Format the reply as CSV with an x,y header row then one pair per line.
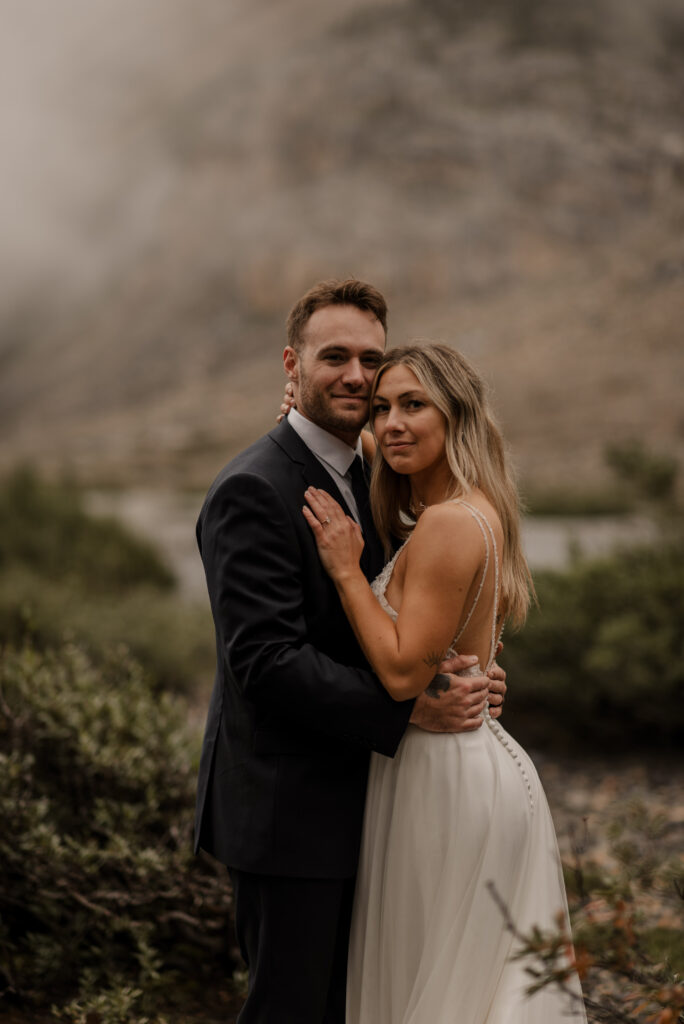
x,y
295,709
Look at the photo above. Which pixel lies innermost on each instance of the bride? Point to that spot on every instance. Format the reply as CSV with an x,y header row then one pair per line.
x,y
454,823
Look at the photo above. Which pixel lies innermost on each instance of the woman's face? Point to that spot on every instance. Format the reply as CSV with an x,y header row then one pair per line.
x,y
410,429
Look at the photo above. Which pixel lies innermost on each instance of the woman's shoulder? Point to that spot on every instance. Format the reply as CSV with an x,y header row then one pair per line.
x,y
449,536
458,514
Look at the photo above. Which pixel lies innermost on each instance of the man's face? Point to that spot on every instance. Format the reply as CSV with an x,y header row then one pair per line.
x,y
333,371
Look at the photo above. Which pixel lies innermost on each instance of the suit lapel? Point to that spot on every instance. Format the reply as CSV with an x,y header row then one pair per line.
x,y
315,474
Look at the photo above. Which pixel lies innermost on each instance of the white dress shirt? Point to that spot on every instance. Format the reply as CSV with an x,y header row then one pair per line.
x,y
332,453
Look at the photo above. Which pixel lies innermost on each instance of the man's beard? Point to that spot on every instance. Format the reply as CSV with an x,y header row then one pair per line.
x,y
318,407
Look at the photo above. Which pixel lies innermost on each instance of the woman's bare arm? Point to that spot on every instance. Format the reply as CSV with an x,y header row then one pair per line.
x,y
442,559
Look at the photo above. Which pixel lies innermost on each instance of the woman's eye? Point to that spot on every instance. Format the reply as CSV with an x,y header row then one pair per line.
x,y
414,403
379,409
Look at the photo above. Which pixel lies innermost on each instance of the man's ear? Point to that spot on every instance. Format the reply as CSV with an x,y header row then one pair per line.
x,y
291,364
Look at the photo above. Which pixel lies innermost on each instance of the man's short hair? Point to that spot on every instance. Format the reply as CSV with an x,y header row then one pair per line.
x,y
334,293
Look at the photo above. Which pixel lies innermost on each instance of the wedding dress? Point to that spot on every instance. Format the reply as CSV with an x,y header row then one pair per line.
x,y
450,816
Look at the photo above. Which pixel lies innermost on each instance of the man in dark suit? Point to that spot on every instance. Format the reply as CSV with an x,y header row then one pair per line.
x,y
295,709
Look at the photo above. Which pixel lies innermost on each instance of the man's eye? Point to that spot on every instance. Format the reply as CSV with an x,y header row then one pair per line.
x,y
372,362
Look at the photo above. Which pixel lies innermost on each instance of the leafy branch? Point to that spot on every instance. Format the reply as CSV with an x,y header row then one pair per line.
x,y
629,946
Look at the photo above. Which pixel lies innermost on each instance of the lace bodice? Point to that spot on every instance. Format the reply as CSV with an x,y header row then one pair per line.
x,y
381,583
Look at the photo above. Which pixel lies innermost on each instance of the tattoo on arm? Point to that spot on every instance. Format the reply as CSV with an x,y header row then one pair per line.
x,y
439,684
440,681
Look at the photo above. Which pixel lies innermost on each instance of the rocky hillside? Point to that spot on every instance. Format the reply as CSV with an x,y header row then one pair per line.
x,y
511,174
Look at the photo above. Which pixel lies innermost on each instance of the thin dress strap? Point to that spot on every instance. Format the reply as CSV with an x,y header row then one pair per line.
x,y
501,735
486,529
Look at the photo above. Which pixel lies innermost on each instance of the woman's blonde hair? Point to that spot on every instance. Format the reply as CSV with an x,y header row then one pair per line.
x,y
476,456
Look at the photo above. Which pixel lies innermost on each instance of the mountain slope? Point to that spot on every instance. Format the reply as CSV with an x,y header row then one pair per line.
x,y
514,184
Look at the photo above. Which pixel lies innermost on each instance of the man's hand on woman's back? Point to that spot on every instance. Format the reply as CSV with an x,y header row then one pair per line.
x,y
455,703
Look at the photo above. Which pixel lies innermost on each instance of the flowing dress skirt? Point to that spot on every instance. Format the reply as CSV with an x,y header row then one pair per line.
x,y
445,817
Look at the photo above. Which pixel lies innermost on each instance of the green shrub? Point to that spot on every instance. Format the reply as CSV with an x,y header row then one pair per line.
x,y
602,658
172,639
67,576
613,501
99,890
626,910
44,527
650,475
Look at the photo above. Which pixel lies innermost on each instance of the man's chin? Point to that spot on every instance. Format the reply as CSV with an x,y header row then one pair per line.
x,y
352,421
334,417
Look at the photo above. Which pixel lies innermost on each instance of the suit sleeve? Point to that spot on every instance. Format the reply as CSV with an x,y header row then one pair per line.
x,y
253,561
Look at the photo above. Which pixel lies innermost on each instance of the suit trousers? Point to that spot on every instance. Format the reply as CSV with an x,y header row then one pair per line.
x,y
293,934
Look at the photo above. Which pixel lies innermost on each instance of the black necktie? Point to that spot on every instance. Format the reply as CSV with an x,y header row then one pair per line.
x,y
372,558
359,485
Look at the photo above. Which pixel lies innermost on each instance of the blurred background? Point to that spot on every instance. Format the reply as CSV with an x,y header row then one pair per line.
x,y
510,173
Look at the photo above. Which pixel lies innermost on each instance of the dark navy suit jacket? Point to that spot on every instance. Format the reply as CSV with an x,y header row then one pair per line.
x,y
295,709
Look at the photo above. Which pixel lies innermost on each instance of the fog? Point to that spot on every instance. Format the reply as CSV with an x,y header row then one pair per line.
x,y
174,176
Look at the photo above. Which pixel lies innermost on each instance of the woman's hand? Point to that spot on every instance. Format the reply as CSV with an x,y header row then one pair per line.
x,y
338,536
287,403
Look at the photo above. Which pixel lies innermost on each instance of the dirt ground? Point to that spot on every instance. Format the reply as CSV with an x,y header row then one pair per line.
x,y
587,795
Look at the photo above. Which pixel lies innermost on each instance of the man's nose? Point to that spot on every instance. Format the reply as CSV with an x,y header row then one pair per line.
x,y
353,373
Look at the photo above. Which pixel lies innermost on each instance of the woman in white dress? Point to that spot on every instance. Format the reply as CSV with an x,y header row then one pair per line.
x,y
450,818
